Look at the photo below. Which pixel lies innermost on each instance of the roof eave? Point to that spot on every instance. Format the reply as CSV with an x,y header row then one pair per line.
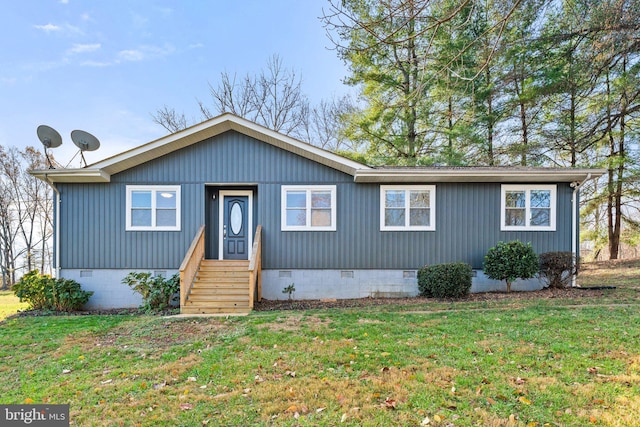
x,y
214,127
72,175
499,175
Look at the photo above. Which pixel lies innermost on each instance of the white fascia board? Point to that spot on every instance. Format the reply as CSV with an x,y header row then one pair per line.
x,y
71,175
485,175
216,126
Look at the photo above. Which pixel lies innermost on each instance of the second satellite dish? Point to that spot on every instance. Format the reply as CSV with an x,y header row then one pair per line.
x,y
85,142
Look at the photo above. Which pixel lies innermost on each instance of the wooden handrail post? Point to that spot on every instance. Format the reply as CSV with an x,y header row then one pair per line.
x,y
255,268
190,265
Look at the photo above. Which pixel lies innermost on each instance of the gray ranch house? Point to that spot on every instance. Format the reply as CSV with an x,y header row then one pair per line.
x,y
242,212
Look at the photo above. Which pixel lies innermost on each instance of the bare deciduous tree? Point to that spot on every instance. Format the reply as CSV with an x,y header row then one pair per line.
x,y
274,99
25,214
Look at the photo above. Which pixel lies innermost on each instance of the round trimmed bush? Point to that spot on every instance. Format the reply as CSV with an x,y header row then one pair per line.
x,y
451,280
509,261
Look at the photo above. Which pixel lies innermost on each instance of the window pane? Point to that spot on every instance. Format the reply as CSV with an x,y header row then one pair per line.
x,y
166,199
141,199
320,199
394,198
541,217
515,199
166,218
296,217
540,198
321,217
419,199
296,199
515,217
419,217
141,217
394,217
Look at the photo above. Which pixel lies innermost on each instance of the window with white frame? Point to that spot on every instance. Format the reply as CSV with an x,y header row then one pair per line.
x,y
311,208
528,208
408,208
153,208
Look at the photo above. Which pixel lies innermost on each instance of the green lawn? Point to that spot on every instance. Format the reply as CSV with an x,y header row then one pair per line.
x,y
511,362
9,304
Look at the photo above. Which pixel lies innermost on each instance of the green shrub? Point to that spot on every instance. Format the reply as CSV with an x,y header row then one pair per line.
x,y
557,268
510,261
43,292
157,292
452,280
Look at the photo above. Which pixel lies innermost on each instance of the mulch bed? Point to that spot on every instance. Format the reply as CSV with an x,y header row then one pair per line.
x,y
99,312
272,305
573,293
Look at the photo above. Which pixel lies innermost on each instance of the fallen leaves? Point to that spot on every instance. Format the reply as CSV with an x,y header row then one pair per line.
x,y
186,406
390,403
524,400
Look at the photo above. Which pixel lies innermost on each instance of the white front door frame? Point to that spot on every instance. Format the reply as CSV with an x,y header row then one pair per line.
x,y
231,193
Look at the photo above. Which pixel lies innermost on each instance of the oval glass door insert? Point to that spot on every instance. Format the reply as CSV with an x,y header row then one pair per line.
x,y
236,218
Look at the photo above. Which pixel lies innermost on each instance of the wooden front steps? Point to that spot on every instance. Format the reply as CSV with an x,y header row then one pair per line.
x,y
220,287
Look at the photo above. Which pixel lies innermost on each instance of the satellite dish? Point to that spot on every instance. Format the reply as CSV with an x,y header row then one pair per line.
x,y
50,138
85,142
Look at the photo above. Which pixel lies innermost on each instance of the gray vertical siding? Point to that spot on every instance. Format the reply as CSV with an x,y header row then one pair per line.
x,y
467,215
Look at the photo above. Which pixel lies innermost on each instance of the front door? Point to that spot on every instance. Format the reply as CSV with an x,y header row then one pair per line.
x,y
236,224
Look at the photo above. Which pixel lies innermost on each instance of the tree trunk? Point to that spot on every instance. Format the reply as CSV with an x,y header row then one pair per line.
x,y
489,118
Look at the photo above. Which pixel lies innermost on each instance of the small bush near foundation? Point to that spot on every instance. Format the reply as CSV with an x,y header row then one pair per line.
x,y
452,280
557,268
157,292
509,261
43,292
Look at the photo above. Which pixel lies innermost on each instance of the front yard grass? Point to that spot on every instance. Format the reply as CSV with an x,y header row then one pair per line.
x,y
10,304
558,362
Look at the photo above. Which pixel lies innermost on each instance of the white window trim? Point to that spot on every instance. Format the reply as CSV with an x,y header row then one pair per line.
x,y
154,190
308,189
407,227
527,189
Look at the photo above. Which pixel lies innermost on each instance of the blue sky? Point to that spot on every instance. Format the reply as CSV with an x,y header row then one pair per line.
x,y
105,66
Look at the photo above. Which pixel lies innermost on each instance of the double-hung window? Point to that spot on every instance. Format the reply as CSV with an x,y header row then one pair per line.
x,y
153,208
311,208
408,208
528,208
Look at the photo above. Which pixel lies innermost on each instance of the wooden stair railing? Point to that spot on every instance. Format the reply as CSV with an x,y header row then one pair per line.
x,y
255,268
190,264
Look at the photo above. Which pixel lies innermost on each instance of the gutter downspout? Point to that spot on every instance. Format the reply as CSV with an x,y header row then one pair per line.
x,y
574,223
56,235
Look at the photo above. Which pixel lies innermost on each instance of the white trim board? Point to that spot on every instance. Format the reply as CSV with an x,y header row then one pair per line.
x,y
232,193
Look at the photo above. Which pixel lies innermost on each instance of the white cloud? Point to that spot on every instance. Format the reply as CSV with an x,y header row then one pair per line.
x,y
131,55
8,81
64,1
48,27
84,48
66,28
145,52
196,45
